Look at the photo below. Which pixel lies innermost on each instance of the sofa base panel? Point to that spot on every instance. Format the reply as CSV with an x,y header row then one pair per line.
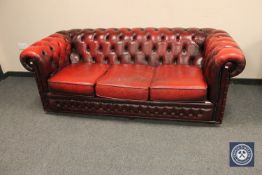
x,y
187,111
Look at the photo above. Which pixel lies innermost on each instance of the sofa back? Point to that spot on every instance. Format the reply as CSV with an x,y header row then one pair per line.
x,y
152,46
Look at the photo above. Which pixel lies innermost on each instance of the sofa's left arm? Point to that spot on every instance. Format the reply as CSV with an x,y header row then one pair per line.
x,y
47,55
45,58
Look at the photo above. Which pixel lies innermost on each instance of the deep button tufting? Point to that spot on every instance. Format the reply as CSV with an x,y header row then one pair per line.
x,y
191,60
184,48
134,37
140,47
112,48
118,60
82,38
51,48
87,48
133,59
199,115
126,47
161,60
147,58
106,60
177,37
155,42
148,37
107,37
94,59
169,47
163,37
175,60
193,37
154,48
43,53
95,36
100,48
121,36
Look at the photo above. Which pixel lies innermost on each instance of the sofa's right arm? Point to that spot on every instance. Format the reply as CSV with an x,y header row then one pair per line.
x,y
221,49
223,59
47,55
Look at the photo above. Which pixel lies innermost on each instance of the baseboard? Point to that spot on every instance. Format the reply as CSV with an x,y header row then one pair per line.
x,y
18,74
247,81
1,73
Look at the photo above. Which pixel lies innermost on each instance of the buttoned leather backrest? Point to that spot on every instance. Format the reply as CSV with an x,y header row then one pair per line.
x,y
138,46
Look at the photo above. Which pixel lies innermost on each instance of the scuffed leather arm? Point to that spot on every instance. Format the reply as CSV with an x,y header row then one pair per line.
x,y
221,49
47,55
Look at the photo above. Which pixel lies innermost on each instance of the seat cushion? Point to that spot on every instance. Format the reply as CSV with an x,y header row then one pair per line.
x,y
178,82
125,81
77,78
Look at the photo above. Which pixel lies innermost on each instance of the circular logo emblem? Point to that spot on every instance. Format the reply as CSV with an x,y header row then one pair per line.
x,y
241,154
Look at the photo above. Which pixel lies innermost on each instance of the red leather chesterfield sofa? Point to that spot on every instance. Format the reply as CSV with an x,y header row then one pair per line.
x,y
156,73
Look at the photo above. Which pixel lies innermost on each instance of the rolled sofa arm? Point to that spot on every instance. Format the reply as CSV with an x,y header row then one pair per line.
x,y
221,50
48,55
221,55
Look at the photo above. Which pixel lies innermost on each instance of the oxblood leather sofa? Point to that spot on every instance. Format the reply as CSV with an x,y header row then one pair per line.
x,y
165,73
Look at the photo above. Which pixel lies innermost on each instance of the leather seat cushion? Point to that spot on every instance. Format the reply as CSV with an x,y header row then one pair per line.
x,y
77,78
178,82
126,81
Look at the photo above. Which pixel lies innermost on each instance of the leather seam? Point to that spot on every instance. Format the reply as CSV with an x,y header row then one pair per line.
x,y
75,84
178,89
122,86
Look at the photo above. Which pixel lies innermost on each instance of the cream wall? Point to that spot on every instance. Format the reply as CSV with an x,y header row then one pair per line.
x,y
30,20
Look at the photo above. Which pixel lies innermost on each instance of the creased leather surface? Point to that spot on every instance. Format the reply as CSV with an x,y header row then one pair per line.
x,y
178,82
77,78
125,81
